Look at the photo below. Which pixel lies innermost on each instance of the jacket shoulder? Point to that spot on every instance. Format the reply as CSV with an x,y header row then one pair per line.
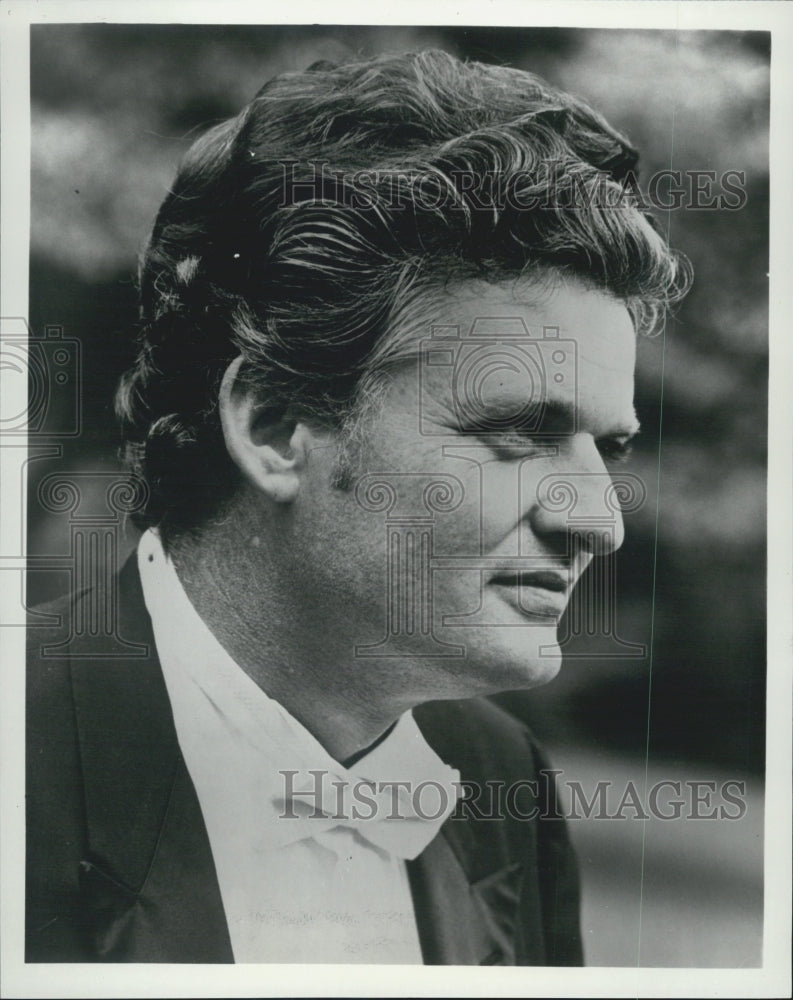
x,y
99,738
495,752
480,738
55,821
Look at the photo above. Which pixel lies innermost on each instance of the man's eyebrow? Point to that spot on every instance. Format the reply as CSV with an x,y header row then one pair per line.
x,y
563,417
526,413
633,428
628,428
550,416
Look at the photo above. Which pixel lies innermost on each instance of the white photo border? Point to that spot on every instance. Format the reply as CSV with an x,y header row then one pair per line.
x,y
773,978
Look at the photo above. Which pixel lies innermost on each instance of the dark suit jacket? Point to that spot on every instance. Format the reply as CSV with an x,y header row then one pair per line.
x,y
119,867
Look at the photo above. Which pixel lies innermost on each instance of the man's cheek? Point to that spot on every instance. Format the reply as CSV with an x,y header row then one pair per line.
x,y
459,534
496,497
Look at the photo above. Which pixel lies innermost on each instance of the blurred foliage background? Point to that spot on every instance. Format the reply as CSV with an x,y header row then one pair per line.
x,y
115,106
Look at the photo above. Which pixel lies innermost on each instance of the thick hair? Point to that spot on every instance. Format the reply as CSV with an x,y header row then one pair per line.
x,y
295,232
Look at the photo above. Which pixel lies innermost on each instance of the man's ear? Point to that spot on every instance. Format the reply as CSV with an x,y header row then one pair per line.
x,y
266,444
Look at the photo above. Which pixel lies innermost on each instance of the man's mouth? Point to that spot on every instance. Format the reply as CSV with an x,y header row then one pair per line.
x,y
541,593
542,579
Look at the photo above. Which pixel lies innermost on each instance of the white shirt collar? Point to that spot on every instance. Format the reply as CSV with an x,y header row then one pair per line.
x,y
260,752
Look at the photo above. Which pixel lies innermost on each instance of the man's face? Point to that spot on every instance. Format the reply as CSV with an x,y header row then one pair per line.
x,y
481,494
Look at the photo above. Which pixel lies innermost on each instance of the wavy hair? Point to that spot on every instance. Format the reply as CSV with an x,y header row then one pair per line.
x,y
295,232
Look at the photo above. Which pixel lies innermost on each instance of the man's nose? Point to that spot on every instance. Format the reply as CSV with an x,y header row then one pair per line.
x,y
580,503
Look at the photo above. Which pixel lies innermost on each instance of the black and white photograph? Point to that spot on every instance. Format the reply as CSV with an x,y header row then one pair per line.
x,y
396,453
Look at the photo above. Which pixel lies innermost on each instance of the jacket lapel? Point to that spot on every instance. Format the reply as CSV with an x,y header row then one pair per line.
x,y
460,923
148,882
466,884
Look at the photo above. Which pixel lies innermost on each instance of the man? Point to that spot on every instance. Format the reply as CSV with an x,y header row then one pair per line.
x,y
388,324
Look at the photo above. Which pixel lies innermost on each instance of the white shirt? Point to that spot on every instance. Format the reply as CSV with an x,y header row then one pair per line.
x,y
297,884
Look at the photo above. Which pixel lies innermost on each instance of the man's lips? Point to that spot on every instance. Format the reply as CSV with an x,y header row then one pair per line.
x,y
537,593
541,579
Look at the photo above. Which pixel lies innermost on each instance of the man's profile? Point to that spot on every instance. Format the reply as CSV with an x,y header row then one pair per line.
x,y
388,322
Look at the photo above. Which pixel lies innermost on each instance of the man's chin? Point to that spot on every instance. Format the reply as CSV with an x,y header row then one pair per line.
x,y
508,659
534,671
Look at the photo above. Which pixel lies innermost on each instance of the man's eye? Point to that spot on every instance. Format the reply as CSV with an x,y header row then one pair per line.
x,y
614,449
513,443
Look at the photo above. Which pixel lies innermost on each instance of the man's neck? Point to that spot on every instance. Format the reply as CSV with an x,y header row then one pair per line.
x,y
310,679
